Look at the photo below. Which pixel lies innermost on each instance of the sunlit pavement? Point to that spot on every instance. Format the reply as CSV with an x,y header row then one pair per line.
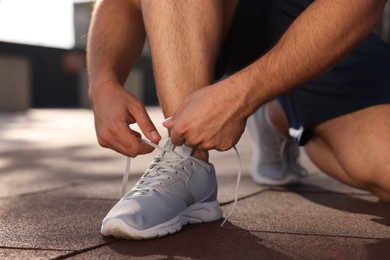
x,y
56,185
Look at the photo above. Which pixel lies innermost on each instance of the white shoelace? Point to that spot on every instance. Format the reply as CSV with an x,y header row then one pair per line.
x,y
236,193
128,163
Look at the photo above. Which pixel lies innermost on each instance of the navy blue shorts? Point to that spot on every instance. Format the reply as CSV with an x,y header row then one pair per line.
x,y
360,80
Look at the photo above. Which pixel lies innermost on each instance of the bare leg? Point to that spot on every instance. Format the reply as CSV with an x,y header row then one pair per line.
x,y
353,148
356,147
278,118
185,37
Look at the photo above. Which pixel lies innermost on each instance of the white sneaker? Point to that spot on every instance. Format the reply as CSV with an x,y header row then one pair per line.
x,y
175,190
275,157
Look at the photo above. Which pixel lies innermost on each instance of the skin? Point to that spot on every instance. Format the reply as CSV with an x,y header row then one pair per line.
x,y
302,54
185,37
114,45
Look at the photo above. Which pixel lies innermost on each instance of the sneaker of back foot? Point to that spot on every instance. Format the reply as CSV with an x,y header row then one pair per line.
x,y
175,190
275,157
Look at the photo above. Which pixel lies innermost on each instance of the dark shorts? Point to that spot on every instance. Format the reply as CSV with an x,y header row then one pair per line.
x,y
360,80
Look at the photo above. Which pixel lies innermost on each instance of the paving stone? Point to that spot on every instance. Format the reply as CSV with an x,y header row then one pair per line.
x,y
21,253
316,214
47,221
201,241
209,241
324,247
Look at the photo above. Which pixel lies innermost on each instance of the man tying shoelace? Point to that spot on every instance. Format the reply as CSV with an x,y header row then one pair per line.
x,y
301,72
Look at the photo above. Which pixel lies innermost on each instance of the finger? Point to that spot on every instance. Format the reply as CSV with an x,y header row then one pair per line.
x,y
177,133
168,123
146,125
144,148
176,138
127,142
117,146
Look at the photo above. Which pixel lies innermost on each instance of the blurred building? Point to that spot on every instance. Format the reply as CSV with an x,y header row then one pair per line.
x,y
140,81
42,77
39,77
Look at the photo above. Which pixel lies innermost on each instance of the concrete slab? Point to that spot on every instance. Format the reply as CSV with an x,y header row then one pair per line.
x,y
20,253
324,247
314,214
205,241
209,241
49,222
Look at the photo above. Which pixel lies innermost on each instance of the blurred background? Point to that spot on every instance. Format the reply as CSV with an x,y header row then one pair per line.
x,y
42,55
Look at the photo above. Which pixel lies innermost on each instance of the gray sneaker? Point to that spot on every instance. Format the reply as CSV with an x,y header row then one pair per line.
x,y
275,157
175,190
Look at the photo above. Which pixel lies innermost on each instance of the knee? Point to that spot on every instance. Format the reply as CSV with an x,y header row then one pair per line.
x,y
381,184
374,178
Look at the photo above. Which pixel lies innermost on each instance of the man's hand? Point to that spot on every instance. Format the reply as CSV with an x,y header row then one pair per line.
x,y
208,119
115,109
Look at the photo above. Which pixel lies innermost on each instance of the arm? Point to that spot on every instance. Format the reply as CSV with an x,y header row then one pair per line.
x,y
115,42
322,35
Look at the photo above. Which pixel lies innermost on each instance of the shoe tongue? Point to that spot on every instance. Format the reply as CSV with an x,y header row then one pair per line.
x,y
182,150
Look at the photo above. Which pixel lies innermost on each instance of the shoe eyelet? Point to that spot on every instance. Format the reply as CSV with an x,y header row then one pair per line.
x,y
192,164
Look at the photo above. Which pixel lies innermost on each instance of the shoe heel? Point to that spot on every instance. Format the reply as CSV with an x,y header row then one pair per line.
x,y
202,212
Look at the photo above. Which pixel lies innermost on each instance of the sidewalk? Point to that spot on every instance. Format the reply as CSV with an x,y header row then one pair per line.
x,y
56,185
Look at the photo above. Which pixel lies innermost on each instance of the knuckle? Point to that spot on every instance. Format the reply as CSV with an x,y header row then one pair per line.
x,y
102,142
207,145
182,127
137,105
179,130
190,142
176,141
106,136
221,145
146,150
132,153
223,148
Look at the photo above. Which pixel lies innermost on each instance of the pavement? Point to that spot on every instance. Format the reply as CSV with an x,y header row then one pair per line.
x,y
56,185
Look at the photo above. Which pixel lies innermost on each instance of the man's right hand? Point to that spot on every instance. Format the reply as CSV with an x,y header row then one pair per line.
x,y
115,109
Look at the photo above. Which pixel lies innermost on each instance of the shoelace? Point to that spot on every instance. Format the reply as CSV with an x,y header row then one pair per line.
x,y
141,187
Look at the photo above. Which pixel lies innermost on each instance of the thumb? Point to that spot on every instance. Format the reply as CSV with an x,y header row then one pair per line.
x,y
168,123
147,126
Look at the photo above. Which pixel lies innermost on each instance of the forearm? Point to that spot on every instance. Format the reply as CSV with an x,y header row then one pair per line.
x,y
115,42
322,35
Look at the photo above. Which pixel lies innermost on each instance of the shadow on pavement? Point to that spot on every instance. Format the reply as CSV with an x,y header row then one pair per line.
x,y
378,211
379,250
206,241
350,203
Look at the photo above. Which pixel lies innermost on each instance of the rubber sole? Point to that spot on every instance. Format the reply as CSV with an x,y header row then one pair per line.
x,y
197,213
288,180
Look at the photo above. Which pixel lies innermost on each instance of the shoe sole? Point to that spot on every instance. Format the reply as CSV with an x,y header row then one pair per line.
x,y
197,213
289,180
